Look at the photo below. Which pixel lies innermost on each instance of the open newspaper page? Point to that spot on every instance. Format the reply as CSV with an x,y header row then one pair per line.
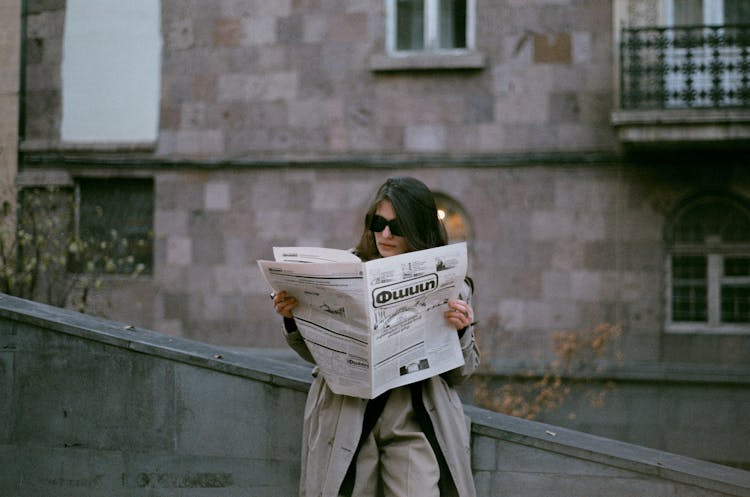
x,y
331,317
409,293
313,254
377,325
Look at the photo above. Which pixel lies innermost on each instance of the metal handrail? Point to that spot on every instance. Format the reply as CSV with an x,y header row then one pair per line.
x,y
685,67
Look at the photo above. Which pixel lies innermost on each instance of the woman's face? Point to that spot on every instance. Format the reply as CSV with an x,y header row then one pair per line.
x,y
388,244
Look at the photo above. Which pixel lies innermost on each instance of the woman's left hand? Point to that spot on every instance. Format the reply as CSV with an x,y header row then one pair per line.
x,y
459,314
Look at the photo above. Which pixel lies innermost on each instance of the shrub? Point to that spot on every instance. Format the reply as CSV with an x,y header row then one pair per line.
x,y
577,355
43,257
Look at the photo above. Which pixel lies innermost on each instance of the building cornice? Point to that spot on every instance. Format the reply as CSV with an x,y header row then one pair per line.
x,y
139,160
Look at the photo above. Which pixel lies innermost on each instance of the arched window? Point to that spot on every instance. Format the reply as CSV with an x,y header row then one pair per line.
x,y
708,266
454,218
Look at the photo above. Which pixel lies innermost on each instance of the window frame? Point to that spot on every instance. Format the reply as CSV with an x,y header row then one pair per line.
x,y
714,13
110,87
715,252
78,182
454,211
431,29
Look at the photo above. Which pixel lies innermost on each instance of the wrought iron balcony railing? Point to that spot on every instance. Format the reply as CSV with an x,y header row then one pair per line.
x,y
685,67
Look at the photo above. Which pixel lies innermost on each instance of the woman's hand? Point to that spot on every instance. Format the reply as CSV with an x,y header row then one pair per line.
x,y
284,304
459,314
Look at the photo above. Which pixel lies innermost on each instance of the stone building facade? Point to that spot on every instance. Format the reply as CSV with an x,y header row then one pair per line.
x,y
278,120
10,77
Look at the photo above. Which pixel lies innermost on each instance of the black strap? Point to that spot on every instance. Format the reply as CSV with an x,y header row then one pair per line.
x,y
423,418
373,411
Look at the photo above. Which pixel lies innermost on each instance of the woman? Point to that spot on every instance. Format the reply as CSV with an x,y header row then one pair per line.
x,y
412,440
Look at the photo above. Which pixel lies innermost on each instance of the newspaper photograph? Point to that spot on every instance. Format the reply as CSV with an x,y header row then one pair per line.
x,y
373,326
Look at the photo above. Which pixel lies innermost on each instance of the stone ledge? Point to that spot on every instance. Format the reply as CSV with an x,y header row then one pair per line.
x,y
641,371
100,147
432,62
227,360
60,159
710,476
666,126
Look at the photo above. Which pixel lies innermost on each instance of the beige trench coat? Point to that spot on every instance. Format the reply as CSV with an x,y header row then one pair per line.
x,y
333,424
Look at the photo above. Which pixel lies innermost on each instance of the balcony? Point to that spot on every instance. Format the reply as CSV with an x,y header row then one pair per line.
x,y
684,85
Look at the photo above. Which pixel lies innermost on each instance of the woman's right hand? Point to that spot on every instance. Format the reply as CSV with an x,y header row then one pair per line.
x,y
284,304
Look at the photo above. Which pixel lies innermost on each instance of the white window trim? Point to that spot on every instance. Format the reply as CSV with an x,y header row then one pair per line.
x,y
715,278
430,30
428,59
713,12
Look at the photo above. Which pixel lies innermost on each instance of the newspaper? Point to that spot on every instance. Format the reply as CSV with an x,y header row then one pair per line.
x,y
373,326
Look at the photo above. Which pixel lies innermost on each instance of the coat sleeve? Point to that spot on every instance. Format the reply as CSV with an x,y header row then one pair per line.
x,y
295,340
469,347
297,343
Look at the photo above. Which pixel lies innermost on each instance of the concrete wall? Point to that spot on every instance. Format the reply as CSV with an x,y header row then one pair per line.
x,y
695,412
90,407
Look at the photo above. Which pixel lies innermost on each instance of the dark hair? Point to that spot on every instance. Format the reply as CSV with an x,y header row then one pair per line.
x,y
416,212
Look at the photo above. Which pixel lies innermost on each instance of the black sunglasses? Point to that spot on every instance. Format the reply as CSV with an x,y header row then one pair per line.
x,y
378,224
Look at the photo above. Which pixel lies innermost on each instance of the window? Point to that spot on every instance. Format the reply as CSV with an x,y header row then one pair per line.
x,y
430,25
737,12
712,12
709,267
704,66
453,217
111,71
116,215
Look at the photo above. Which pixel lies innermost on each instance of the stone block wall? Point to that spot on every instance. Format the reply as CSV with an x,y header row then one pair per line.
x,y
293,79
43,47
270,117
551,249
